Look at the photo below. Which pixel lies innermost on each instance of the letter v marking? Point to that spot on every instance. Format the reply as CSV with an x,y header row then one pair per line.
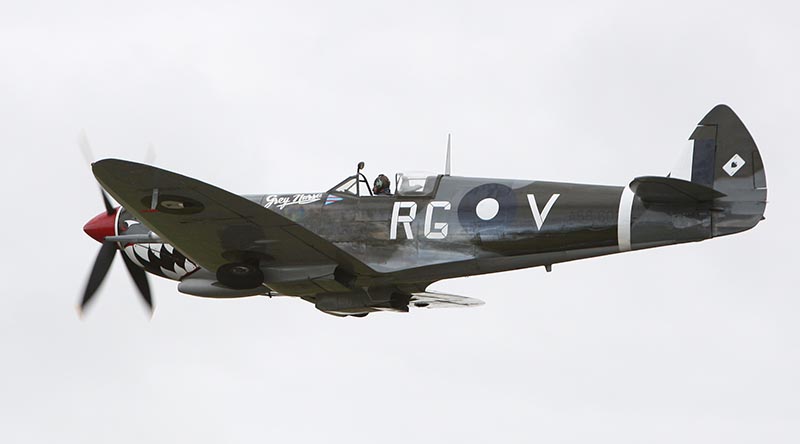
x,y
538,217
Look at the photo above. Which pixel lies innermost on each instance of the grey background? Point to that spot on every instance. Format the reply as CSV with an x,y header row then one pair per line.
x,y
694,343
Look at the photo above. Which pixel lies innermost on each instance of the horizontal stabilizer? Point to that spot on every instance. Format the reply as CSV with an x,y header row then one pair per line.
x,y
669,190
433,299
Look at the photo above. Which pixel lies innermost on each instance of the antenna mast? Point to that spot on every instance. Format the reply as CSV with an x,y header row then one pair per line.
x,y
447,161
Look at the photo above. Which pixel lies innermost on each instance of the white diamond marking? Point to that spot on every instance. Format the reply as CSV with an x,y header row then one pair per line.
x,y
733,165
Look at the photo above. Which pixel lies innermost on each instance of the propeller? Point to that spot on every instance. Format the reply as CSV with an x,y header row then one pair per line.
x,y
107,203
98,228
100,269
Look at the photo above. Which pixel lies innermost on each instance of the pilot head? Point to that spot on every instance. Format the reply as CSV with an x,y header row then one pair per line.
x,y
381,185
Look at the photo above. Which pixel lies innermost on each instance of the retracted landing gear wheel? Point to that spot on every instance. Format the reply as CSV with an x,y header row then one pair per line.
x,y
240,276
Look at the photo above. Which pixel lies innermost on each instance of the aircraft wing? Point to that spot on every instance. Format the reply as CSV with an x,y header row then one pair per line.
x,y
434,299
214,227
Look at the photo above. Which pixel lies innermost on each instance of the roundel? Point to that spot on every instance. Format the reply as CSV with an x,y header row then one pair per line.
x,y
174,204
487,207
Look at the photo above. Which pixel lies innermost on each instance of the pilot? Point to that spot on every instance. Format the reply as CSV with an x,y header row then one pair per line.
x,y
381,186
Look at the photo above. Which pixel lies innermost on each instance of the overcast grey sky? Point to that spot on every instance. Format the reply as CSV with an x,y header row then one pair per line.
x,y
693,343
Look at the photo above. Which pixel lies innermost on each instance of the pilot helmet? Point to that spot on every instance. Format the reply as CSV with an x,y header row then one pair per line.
x,y
381,182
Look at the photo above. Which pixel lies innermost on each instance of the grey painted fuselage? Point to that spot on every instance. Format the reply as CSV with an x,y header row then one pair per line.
x,y
388,247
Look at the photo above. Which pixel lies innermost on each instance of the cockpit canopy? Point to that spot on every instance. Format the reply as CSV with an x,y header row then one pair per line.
x,y
412,183
351,186
415,183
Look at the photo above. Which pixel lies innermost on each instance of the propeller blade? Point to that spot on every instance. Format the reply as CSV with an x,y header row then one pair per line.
x,y
140,279
101,266
88,156
86,147
106,254
107,203
150,156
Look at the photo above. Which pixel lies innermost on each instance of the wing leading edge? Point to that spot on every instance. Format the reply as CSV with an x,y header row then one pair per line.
x,y
214,227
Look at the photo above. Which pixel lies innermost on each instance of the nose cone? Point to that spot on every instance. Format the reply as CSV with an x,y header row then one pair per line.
x,y
101,226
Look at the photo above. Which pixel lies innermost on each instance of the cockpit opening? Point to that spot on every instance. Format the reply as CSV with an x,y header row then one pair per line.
x,y
415,183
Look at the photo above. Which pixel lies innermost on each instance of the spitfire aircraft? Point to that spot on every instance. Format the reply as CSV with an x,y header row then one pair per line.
x,y
351,252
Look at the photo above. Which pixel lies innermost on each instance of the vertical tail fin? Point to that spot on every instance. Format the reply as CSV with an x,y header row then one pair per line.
x,y
725,158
